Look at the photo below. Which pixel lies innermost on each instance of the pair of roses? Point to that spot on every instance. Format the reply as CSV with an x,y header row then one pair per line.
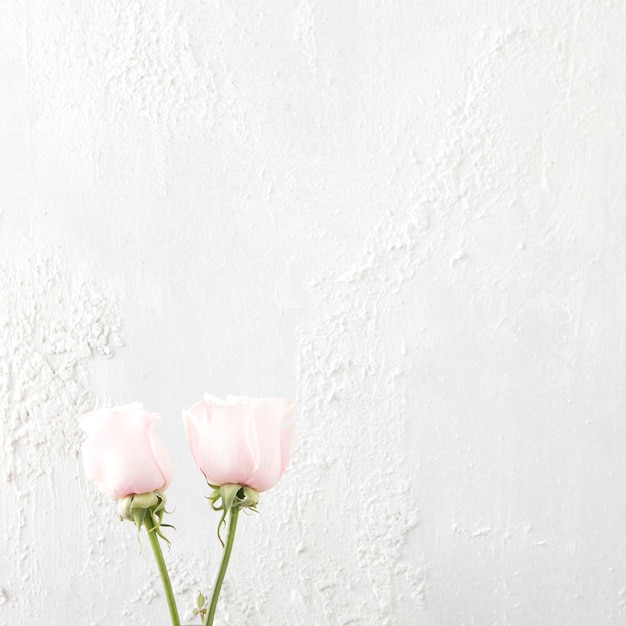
x,y
241,445
245,441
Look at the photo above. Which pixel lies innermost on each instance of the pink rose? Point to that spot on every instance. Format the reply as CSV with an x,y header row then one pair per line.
x,y
122,455
242,441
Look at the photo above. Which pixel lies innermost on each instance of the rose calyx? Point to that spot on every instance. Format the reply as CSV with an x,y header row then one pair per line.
x,y
136,507
230,496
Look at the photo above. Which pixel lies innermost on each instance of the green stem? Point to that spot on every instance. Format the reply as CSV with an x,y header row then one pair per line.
x,y
228,548
165,579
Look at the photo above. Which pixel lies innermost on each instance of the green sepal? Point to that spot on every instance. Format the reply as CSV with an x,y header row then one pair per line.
x,y
231,496
135,508
138,517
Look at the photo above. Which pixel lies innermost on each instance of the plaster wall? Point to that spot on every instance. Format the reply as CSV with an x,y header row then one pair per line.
x,y
407,216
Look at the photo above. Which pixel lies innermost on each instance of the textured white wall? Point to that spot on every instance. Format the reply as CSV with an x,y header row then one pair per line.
x,y
408,216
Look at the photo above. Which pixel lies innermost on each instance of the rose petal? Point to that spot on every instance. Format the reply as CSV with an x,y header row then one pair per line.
x,y
122,454
241,440
221,449
264,439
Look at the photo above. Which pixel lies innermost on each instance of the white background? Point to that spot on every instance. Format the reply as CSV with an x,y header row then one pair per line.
x,y
407,216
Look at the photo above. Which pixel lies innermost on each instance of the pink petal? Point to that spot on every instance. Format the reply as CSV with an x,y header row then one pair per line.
x,y
265,441
119,454
196,429
219,444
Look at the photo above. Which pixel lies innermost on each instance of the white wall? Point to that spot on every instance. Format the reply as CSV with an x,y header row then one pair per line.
x,y
408,216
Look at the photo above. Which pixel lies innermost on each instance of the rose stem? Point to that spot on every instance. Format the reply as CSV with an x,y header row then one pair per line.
x,y
232,527
165,579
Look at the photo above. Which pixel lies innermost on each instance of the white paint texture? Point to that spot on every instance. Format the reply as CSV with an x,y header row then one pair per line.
x,y
407,216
